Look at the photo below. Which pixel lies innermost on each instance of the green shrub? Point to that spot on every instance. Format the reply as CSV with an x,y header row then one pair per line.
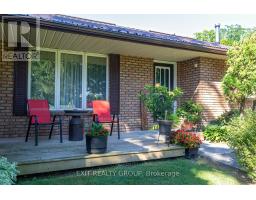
x,y
242,138
190,111
226,117
8,172
215,133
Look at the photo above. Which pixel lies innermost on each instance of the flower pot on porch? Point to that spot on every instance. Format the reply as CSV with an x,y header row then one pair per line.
x,y
96,144
191,153
165,127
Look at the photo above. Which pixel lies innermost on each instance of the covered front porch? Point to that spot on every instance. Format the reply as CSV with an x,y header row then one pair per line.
x,y
113,68
51,155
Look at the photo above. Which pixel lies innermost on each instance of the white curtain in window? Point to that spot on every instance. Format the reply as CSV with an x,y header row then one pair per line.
x,y
96,79
71,81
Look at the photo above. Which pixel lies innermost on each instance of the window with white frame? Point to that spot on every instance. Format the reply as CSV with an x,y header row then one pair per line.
x,y
71,80
96,79
68,80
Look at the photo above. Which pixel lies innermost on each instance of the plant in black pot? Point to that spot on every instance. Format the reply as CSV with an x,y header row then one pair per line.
x,y
96,138
159,101
190,141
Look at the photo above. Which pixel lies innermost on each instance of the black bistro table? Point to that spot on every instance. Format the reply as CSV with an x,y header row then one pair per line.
x,y
76,123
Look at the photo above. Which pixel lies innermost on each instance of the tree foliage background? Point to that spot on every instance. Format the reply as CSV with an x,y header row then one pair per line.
x,y
239,82
228,34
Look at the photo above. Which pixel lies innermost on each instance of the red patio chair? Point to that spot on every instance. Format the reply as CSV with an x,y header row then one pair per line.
x,y
101,114
39,114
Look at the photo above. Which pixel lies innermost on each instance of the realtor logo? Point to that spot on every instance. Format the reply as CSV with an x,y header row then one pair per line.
x,y
20,39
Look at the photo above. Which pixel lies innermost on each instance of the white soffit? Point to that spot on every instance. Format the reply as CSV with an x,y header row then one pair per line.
x,y
77,42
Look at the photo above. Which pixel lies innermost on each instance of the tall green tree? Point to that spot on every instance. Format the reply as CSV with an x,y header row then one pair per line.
x,y
239,82
228,34
206,35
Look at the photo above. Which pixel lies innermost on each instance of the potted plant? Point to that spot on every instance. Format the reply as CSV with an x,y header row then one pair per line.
x,y
159,101
96,138
190,141
191,113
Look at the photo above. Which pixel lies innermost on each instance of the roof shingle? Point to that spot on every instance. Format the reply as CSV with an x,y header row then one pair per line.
x,y
113,28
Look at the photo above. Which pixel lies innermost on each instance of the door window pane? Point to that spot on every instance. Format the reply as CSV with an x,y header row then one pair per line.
x,y
96,79
43,77
71,81
167,74
164,76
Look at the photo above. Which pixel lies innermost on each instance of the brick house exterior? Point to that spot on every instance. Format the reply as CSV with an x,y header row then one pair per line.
x,y
199,78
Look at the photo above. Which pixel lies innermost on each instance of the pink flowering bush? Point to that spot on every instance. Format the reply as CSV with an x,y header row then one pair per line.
x,y
187,139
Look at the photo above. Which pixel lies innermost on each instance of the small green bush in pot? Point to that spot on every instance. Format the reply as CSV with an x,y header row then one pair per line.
x,y
174,118
191,113
159,101
242,138
8,172
96,138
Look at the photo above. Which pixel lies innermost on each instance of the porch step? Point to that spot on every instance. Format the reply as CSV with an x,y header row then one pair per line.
x,y
51,155
93,160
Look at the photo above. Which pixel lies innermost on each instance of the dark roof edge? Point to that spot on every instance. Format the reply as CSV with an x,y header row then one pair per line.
x,y
98,33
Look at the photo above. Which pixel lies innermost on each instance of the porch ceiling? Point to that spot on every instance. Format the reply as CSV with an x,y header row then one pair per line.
x,y
77,42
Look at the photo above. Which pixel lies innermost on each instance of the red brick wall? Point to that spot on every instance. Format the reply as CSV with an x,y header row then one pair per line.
x,y
200,79
7,121
135,73
209,89
188,77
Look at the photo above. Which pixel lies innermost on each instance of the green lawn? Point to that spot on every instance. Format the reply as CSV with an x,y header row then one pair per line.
x,y
174,171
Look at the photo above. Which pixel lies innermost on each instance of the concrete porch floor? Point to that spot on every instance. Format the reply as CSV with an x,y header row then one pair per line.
x,y
51,155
